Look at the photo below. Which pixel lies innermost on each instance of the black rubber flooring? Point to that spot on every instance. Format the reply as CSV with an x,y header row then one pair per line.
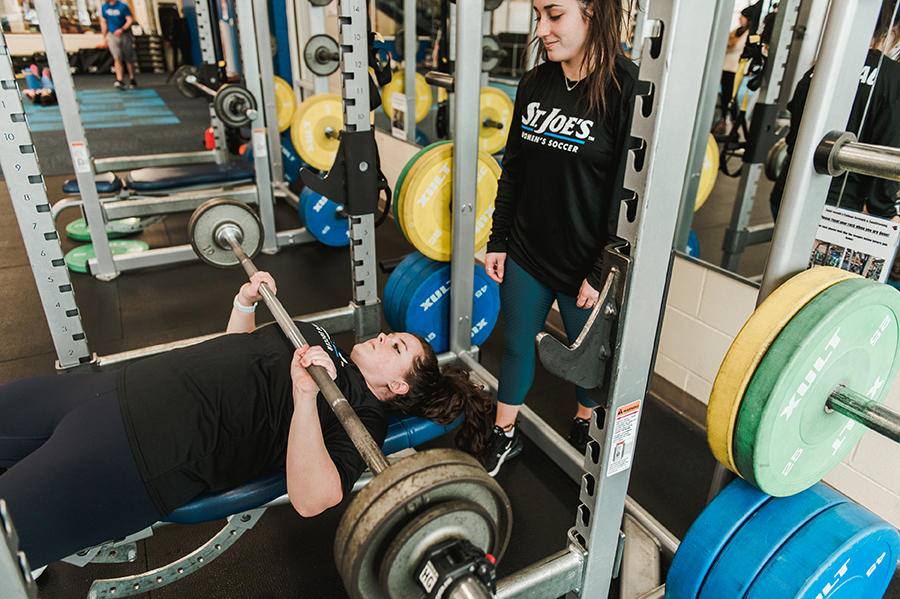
x,y
285,555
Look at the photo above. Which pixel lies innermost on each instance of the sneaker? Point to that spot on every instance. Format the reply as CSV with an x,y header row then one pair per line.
x,y
133,84
578,434
501,448
119,85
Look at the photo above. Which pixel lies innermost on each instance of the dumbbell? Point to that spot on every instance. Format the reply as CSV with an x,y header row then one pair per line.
x,y
235,106
412,508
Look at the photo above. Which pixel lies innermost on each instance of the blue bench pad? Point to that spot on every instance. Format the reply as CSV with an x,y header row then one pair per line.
x,y
403,432
170,177
107,183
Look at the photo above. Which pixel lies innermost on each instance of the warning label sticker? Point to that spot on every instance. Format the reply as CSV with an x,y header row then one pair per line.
x,y
624,436
80,157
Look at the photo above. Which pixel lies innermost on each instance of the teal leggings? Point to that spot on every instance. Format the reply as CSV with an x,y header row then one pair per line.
x,y
526,303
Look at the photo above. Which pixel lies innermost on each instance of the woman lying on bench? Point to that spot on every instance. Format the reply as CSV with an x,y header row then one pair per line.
x,y
98,456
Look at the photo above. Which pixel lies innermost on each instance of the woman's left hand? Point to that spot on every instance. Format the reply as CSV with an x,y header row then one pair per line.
x,y
587,296
306,356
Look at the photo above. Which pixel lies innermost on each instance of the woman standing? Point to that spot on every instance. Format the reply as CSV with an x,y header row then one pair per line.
x,y
557,198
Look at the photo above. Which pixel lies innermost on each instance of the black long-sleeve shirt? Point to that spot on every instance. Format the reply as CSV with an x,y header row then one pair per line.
x,y
562,172
882,127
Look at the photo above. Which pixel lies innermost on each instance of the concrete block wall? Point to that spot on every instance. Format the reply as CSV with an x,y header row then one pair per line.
x,y
705,310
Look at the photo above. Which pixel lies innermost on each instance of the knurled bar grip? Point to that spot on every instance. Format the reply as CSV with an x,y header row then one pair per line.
x,y
858,407
361,438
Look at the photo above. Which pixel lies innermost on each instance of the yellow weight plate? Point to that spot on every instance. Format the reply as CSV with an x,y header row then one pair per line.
x,y
425,206
423,94
315,128
708,174
286,103
411,168
749,348
496,113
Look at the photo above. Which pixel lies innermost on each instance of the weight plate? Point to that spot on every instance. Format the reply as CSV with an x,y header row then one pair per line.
x,y
393,282
188,90
407,280
398,186
326,220
320,2
231,104
78,258
693,245
423,94
761,536
397,497
426,310
301,203
846,552
317,122
407,288
709,533
784,440
210,217
459,519
709,172
291,163
748,349
421,138
490,53
775,159
492,5
285,102
496,108
78,229
425,202
398,43
322,55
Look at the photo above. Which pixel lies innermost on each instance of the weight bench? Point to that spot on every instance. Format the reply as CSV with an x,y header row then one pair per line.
x,y
242,506
156,180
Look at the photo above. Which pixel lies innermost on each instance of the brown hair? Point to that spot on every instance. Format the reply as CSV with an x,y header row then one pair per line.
x,y
606,21
888,19
442,396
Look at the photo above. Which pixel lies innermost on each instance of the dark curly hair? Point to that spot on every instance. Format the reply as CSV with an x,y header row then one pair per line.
x,y
442,395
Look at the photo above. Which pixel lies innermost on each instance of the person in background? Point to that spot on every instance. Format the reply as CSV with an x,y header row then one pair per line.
x,y
115,26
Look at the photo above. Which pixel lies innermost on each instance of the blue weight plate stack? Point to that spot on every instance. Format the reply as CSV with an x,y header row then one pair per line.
x,y
708,535
320,215
761,537
291,162
416,300
845,552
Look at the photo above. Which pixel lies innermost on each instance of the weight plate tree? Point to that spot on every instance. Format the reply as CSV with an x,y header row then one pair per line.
x,y
423,497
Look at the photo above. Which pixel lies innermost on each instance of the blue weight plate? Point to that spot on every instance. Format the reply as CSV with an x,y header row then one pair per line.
x,y
709,533
393,314
407,286
391,284
301,203
846,552
290,159
761,536
427,309
693,245
415,294
325,222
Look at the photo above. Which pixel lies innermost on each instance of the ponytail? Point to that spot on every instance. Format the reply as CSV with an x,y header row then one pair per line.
x,y
443,396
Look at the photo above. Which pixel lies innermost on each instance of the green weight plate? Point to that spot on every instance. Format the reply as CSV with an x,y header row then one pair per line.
x,y
398,186
785,441
78,229
78,258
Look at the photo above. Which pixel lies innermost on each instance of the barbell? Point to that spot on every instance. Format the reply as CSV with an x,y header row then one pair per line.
x,y
814,361
411,506
235,106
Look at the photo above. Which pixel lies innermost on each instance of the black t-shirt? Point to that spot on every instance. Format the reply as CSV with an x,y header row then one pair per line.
x,y
215,415
881,127
562,171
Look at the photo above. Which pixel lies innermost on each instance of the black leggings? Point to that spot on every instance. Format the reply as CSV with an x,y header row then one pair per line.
x,y
72,481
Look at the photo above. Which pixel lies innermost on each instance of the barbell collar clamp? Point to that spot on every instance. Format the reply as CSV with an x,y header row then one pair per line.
x,y
825,156
859,408
439,79
357,432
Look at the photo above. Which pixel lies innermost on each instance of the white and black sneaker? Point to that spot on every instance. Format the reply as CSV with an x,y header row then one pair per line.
x,y
500,448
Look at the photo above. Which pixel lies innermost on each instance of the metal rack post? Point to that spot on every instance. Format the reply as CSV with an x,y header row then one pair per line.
x,y
22,172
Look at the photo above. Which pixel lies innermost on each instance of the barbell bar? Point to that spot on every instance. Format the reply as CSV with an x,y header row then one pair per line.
x,y
409,507
235,106
839,152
